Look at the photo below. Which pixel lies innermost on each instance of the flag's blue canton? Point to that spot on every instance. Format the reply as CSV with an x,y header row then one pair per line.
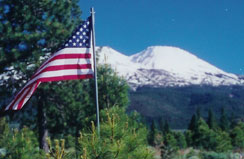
x,y
81,36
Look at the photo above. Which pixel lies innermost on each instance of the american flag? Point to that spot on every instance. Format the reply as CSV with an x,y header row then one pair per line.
x,y
72,61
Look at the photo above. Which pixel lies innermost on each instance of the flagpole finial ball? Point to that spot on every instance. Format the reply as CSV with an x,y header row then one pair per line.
x,y
92,10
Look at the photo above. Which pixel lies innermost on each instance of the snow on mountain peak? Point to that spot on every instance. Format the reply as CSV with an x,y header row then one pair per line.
x,y
119,62
165,66
170,58
158,53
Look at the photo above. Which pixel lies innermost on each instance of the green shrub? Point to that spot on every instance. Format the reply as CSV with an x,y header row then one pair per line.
x,y
20,144
121,137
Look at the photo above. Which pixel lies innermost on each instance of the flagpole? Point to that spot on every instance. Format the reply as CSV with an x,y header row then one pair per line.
x,y
95,67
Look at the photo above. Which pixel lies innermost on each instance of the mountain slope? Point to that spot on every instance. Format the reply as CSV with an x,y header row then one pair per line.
x,y
165,66
178,104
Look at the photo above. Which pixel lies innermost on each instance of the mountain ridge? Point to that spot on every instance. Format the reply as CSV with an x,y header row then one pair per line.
x,y
161,66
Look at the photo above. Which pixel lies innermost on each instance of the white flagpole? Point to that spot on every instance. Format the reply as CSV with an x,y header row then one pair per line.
x,y
95,67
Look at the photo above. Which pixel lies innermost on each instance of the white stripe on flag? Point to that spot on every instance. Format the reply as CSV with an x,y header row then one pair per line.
x,y
65,62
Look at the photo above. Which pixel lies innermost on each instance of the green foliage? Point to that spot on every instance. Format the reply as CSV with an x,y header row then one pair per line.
x,y
4,136
120,137
27,27
181,140
198,113
185,154
222,142
69,107
215,155
193,123
178,104
71,104
237,135
30,30
211,121
20,144
196,154
167,152
201,134
193,154
113,90
34,29
203,137
173,141
189,139
166,128
170,141
58,151
4,131
224,122
152,134
161,125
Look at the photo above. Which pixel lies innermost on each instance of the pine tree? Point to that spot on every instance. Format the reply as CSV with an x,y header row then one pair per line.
x,y
200,134
32,28
222,141
233,121
224,122
202,137
237,135
20,144
28,30
198,113
151,135
161,125
169,147
121,137
166,127
113,90
181,140
211,121
193,123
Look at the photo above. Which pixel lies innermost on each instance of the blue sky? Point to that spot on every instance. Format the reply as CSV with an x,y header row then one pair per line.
x,y
211,29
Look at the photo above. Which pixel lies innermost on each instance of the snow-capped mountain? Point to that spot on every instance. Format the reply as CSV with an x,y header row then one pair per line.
x,y
165,66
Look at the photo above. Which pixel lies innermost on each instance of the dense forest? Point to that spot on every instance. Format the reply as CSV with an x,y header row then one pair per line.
x,y
178,104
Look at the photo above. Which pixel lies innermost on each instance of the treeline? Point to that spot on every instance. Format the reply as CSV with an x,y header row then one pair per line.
x,y
177,104
223,135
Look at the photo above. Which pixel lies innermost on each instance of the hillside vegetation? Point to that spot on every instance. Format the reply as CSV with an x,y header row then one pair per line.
x,y
178,104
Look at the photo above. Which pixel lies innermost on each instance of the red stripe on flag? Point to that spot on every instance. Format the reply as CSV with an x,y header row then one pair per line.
x,y
72,56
